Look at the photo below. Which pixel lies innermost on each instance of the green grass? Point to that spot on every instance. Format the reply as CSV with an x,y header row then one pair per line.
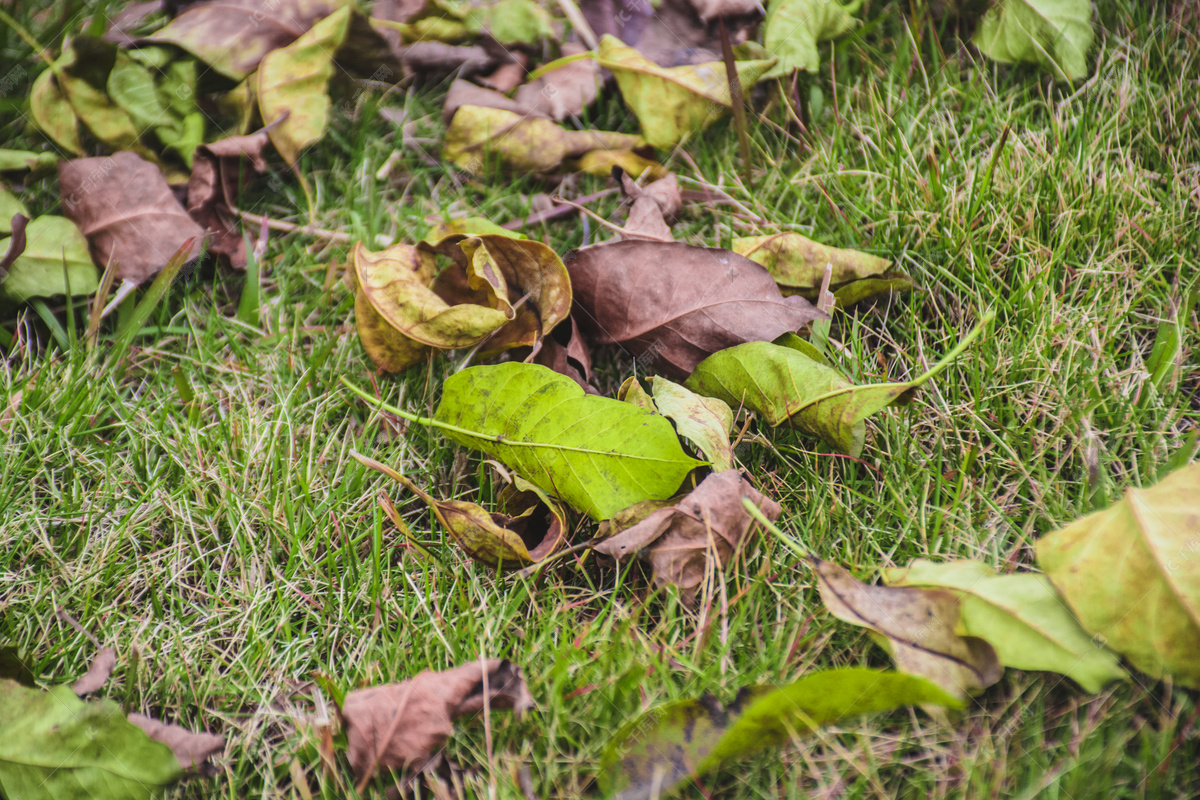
x,y
224,534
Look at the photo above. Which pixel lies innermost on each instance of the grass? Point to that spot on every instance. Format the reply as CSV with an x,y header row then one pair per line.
x,y
194,502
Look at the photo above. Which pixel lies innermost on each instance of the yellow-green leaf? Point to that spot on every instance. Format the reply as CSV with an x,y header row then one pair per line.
x,y
797,263
38,271
703,421
1054,33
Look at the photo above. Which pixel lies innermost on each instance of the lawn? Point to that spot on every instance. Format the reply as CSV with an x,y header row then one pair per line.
x,y
193,502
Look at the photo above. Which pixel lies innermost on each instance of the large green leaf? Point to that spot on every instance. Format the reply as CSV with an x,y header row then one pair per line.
x,y
38,271
794,28
1021,616
1131,574
654,753
598,454
1054,33
54,746
785,384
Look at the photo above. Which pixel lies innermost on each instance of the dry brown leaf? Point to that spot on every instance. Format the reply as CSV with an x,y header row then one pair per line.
x,y
213,189
565,352
191,749
919,626
405,725
675,304
128,213
465,93
671,35
507,76
651,206
712,9
97,674
564,92
681,541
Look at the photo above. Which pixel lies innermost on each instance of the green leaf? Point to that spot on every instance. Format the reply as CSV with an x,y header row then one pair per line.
x,y
797,263
794,28
1131,574
15,160
598,454
512,21
83,70
1054,33
38,272
1021,616
673,103
703,421
783,384
57,747
688,738
9,205
52,112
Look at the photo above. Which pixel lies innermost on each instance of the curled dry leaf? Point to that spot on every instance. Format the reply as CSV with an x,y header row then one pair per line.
x,y
919,628
405,725
464,93
128,213
798,263
712,9
1131,574
563,92
703,421
702,531
520,142
675,304
565,352
651,207
669,33
192,750
98,672
14,246
216,172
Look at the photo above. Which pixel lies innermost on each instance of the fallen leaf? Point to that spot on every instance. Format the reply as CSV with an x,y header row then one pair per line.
x,y
674,305
157,91
1021,616
868,289
406,725
702,531
192,750
464,93
601,163
513,21
650,207
507,77
659,750
1131,574
918,626
21,160
713,9
703,421
395,11
208,30
98,672
10,206
217,173
797,263
672,103
15,244
565,352
128,213
520,142
128,18
52,113
563,92
787,382
1056,34
670,34
38,270
794,28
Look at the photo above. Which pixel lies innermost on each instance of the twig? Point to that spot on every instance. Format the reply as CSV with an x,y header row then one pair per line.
x,y
553,213
338,237
609,225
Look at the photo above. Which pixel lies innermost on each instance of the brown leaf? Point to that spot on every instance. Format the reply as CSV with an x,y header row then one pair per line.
x,y
565,352
395,11
676,304
671,35
712,9
465,93
191,749
681,541
16,243
128,213
564,92
435,60
97,674
405,725
213,189
919,626
127,18
651,206
507,76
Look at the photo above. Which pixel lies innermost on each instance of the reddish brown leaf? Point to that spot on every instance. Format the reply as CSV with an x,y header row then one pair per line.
x,y
564,92
97,674
16,243
406,725
128,213
192,749
465,93
681,541
676,304
565,352
651,206
507,76
213,189
670,35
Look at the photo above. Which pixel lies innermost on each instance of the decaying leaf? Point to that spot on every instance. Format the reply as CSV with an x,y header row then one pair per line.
x,y
563,92
565,352
1021,616
650,207
789,382
700,532
406,725
128,213
191,749
233,36
919,628
794,29
654,753
798,263
1131,574
672,103
38,271
464,93
14,245
602,162
714,9
703,421
669,33
675,304
216,174
533,529
520,142
98,672
1054,33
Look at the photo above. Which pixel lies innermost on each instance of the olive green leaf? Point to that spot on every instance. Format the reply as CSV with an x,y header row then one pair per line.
x,y
469,226
511,21
21,160
1131,574
9,205
1021,616
919,627
672,103
597,454
794,28
82,71
57,747
38,271
1054,33
783,383
520,142
657,751
890,282
703,421
158,93
52,113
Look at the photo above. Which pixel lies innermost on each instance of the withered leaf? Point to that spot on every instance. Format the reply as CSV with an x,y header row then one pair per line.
x,y
405,725
128,213
670,34
918,626
565,352
97,674
563,92
702,530
213,188
798,263
191,749
650,208
677,304
465,93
